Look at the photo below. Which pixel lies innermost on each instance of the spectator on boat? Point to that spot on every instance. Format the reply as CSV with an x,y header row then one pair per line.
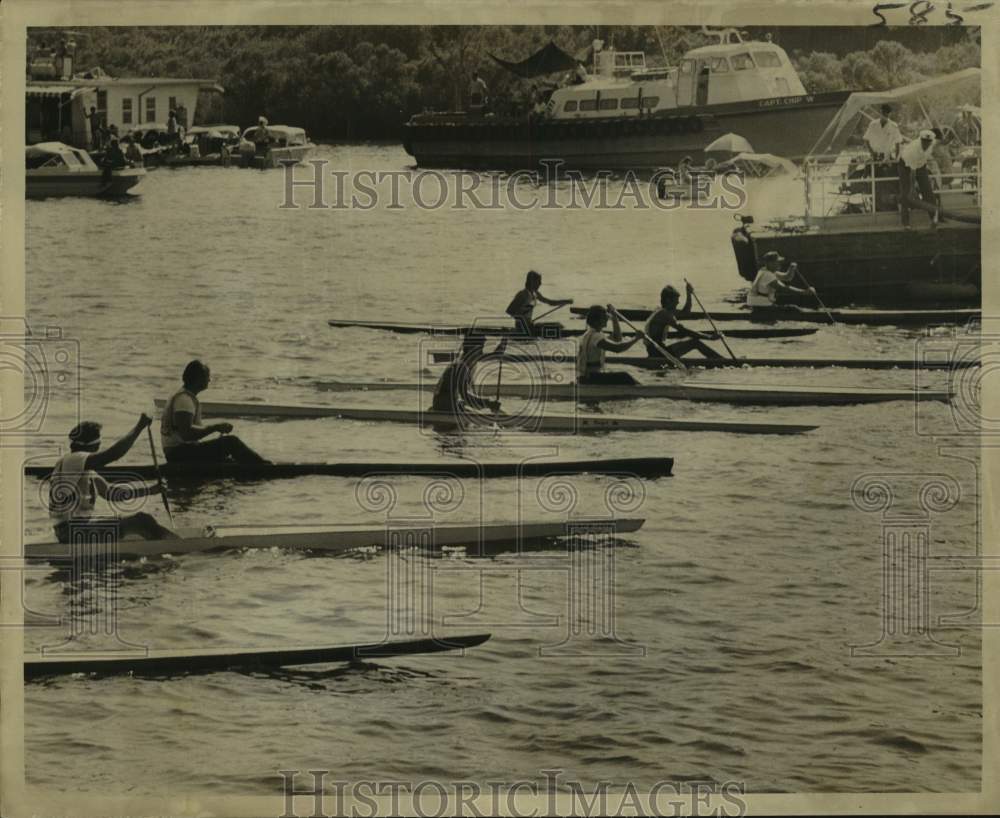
x,y
665,318
580,75
172,127
770,281
883,137
182,433
74,485
113,156
522,307
941,163
594,343
913,161
133,154
454,391
94,120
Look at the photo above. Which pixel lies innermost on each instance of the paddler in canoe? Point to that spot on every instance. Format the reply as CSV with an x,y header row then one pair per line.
x,y
770,281
665,318
75,485
182,432
522,307
594,343
454,392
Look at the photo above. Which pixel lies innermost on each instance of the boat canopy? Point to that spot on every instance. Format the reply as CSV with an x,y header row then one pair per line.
x,y
282,134
215,131
844,123
56,154
547,60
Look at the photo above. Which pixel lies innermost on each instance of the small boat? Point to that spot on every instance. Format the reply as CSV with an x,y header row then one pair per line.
x,y
722,363
872,317
648,467
713,393
175,662
55,169
544,422
285,144
547,331
335,539
206,145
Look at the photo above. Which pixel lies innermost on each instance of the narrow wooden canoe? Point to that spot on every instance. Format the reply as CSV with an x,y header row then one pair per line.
x,y
177,662
723,363
336,539
648,467
546,421
714,393
871,317
550,331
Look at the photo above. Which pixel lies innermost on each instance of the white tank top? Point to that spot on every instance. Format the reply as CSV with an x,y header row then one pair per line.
x,y
72,492
184,401
762,291
589,356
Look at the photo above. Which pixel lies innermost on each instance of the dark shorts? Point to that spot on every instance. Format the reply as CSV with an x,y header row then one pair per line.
x,y
62,530
213,451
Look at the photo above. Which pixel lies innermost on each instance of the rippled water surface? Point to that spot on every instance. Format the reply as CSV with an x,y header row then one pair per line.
x,y
734,607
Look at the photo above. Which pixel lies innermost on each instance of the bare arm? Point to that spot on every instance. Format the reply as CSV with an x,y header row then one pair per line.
x,y
619,346
118,449
189,431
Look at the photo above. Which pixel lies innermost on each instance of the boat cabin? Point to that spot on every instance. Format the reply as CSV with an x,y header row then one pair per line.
x,y
280,136
730,71
55,157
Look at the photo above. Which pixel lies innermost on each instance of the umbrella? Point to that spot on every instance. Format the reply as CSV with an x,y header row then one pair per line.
x,y
731,143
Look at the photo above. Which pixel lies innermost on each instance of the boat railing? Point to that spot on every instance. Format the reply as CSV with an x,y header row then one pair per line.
x,y
856,185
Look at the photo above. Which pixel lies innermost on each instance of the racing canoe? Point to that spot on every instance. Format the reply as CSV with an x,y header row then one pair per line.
x,y
721,363
649,467
871,317
336,539
552,331
578,423
175,662
714,393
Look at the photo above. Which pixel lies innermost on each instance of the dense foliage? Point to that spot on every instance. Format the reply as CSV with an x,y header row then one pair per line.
x,y
363,82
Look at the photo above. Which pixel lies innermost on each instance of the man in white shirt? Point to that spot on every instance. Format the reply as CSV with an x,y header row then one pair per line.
x,y
883,137
913,161
75,485
182,432
770,280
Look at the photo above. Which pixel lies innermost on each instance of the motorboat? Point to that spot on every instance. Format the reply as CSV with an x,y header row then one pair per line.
x,y
56,169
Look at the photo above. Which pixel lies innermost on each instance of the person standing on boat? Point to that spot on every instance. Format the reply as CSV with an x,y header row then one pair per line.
x,y
94,119
74,485
522,307
913,161
770,281
883,137
594,343
454,392
182,432
665,318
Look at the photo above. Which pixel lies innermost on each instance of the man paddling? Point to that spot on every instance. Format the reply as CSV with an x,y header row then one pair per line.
x,y
770,280
454,392
74,485
594,343
522,307
182,432
665,318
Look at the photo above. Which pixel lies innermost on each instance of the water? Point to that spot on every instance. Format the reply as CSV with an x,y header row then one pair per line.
x,y
753,575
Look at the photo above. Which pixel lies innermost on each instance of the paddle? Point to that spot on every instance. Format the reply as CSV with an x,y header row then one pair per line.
x,y
670,358
500,350
715,329
549,312
159,477
818,299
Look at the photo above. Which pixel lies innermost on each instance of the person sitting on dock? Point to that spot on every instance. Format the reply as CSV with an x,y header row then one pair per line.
x,y
74,485
594,343
913,160
666,318
454,391
182,432
770,280
883,137
523,304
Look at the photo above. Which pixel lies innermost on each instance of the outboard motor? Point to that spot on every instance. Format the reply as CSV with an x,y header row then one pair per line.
x,y
743,249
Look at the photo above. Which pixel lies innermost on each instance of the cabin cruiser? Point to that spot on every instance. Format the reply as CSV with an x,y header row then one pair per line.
x,y
55,169
624,114
284,144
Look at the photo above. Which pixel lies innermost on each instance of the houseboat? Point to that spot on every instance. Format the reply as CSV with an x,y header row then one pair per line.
x,y
850,243
626,115
55,169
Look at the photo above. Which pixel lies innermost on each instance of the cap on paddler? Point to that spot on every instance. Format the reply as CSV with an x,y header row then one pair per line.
x,y
85,434
772,255
927,135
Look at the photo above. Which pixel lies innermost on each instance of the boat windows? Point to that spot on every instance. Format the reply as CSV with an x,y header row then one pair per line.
x,y
44,161
650,102
741,62
588,104
766,59
570,106
628,103
781,84
687,66
719,65
609,104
